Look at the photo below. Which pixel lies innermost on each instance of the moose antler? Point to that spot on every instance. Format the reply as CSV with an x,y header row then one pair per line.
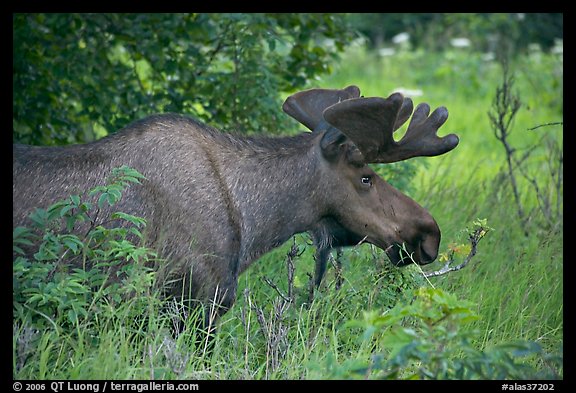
x,y
371,122
308,106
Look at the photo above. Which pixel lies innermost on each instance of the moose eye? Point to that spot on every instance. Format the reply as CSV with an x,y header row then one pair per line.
x,y
366,180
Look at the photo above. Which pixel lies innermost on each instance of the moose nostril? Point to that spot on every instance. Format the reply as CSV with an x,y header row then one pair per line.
x,y
429,249
429,240
426,255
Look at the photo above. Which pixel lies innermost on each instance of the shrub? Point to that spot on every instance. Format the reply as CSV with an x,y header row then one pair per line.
x,y
425,339
61,277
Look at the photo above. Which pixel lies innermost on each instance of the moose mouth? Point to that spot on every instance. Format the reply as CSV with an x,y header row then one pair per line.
x,y
401,255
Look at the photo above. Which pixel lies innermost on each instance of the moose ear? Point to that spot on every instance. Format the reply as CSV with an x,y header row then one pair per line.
x,y
331,143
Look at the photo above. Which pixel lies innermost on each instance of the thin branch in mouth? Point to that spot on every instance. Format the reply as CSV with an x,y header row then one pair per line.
x,y
361,241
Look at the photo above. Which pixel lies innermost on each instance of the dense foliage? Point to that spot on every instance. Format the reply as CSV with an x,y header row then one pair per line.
x,y
61,276
78,76
427,339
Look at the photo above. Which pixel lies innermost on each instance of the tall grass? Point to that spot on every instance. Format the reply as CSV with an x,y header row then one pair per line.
x,y
515,282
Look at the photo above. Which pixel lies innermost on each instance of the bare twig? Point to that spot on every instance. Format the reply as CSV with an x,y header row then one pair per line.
x,y
504,108
337,263
275,287
246,324
275,332
361,241
555,123
274,328
550,210
177,316
293,253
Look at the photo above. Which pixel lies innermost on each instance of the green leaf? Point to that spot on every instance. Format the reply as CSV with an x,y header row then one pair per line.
x,y
72,242
39,217
114,195
136,232
70,221
24,241
75,200
20,232
138,221
45,255
102,199
97,190
72,316
65,210
522,348
55,207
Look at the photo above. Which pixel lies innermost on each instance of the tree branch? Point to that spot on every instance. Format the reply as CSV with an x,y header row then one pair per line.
x,y
474,238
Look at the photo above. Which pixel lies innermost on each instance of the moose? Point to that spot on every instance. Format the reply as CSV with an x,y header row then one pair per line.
x,y
215,202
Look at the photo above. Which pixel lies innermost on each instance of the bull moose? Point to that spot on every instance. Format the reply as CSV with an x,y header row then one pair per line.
x,y
215,202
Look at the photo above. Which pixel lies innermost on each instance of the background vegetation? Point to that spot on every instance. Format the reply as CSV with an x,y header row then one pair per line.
x,y
78,76
500,317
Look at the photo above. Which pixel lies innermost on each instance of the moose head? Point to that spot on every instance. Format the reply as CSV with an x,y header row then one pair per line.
x,y
357,131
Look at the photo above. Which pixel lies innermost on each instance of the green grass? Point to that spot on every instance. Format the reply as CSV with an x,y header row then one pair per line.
x,y
515,282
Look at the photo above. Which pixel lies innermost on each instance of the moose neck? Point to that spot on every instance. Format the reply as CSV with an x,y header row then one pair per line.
x,y
273,186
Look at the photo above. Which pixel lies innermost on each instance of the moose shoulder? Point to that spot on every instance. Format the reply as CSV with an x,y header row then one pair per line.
x,y
216,202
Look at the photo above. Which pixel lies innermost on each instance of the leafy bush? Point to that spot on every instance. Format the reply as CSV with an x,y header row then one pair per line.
x,y
79,76
425,339
61,277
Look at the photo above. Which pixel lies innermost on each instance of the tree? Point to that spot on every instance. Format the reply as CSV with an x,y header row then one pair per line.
x,y
77,77
512,32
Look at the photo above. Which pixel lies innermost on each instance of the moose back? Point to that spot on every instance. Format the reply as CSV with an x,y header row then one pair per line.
x,y
215,202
